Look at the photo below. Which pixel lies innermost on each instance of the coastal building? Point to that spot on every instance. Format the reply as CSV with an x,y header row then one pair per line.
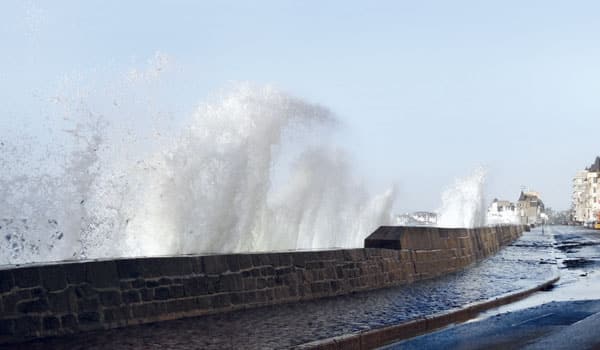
x,y
579,197
586,194
502,212
418,218
530,208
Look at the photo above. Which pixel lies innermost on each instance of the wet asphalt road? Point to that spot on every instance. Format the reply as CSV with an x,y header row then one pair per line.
x,y
565,317
526,263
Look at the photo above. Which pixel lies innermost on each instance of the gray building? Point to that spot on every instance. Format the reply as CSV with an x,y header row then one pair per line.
x,y
530,208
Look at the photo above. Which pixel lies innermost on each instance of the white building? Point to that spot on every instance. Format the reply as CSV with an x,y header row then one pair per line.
x,y
418,218
579,197
586,194
502,212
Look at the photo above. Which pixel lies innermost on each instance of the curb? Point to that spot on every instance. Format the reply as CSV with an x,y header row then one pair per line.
x,y
382,336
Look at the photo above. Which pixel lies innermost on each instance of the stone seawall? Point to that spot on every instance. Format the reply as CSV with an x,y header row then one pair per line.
x,y
64,298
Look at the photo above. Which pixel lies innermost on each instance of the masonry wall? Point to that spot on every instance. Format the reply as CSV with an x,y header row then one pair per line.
x,y
57,299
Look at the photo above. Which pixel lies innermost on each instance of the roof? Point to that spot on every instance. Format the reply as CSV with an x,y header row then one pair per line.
x,y
595,167
525,196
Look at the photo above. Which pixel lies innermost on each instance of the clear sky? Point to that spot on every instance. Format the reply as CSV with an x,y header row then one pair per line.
x,y
427,90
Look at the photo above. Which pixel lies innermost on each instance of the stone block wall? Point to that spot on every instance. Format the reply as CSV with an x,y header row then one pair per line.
x,y
64,298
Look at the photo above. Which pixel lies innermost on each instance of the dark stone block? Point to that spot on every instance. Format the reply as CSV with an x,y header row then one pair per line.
x,y
147,294
320,287
177,291
299,259
38,293
244,261
195,286
283,271
270,294
231,282
180,266
110,298
355,254
270,282
27,277
180,305
33,306
130,268
213,284
250,297
152,267
102,274
214,264
196,265
233,262
131,296
51,323
221,300
75,273
152,284
139,283
9,303
250,283
88,304
69,322
161,293
28,325
89,318
7,326
6,281
165,281
267,271
116,314
157,267
53,277
261,296
204,302
261,259
144,310
237,298
85,291
285,259
63,301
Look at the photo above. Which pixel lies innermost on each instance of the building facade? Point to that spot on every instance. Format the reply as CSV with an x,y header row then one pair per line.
x,y
530,208
586,194
502,212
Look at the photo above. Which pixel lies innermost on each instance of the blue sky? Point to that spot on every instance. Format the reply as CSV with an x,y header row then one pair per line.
x,y
426,90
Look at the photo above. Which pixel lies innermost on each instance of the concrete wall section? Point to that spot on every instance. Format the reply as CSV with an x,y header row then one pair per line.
x,y
48,300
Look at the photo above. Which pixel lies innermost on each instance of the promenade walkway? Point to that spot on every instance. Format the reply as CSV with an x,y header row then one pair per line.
x,y
567,317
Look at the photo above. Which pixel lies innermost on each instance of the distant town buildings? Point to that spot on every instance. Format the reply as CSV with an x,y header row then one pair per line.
x,y
530,208
586,198
502,212
417,218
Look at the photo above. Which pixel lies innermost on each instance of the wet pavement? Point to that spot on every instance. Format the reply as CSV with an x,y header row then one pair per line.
x,y
543,320
535,328
577,256
529,261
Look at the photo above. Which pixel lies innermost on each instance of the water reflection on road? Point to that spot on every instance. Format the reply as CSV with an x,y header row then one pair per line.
x,y
577,255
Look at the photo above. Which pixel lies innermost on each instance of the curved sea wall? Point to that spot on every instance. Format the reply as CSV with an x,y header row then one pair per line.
x,y
71,297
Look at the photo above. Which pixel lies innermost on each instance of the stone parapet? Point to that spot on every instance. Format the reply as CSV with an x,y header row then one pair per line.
x,y
71,297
